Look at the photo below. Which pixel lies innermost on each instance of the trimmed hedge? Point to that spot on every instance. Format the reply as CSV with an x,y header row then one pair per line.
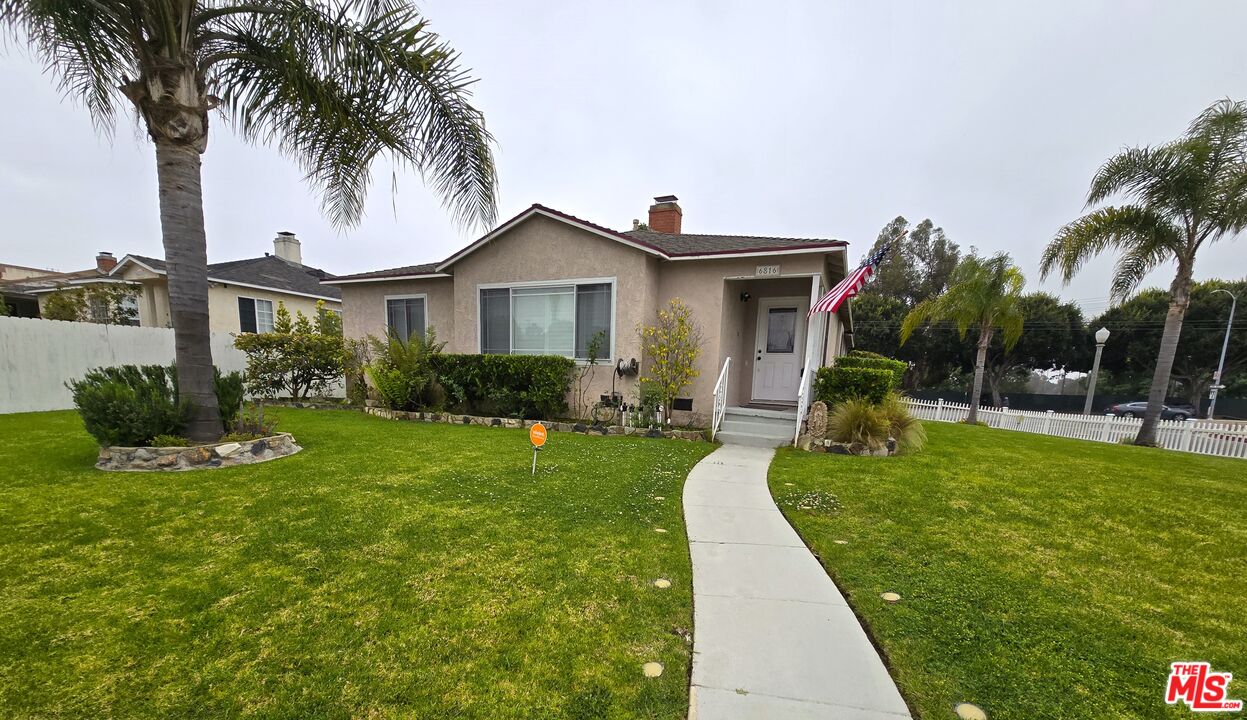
x,y
836,384
533,387
896,367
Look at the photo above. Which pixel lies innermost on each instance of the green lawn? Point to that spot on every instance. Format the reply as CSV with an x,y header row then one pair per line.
x,y
1041,577
389,570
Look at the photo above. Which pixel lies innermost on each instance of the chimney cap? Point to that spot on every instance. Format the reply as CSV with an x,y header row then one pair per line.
x,y
286,233
104,253
666,198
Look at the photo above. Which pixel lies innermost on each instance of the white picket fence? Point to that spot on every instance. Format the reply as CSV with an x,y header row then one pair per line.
x,y
1207,437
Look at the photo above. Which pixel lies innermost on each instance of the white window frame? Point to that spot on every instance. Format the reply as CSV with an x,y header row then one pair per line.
x,y
256,309
385,306
612,281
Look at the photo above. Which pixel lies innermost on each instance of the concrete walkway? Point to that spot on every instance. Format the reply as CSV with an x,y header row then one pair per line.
x,y
772,636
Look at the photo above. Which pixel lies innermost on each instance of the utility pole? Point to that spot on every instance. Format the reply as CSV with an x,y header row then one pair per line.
x,y
1216,378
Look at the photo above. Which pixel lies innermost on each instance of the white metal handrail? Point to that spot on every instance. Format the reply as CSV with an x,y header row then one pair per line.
x,y
803,396
720,398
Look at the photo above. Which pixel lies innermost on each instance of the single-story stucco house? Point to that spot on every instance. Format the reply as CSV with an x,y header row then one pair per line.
x,y
544,282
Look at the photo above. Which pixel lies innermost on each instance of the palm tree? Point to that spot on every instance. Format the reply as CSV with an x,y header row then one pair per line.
x,y
984,294
333,83
1186,194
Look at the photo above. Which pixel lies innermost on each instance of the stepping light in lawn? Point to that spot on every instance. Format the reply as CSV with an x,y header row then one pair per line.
x,y
660,530
891,597
652,669
662,583
966,711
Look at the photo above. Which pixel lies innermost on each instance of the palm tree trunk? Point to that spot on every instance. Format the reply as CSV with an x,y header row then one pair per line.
x,y
186,262
1179,298
980,362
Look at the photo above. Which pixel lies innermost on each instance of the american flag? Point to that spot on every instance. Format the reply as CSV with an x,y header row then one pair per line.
x,y
852,284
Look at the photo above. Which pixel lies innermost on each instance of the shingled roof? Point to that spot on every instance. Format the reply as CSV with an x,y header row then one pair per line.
x,y
681,244
268,271
666,246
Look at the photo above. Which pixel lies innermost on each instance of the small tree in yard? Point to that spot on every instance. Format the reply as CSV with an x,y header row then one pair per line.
x,y
298,356
672,347
592,352
983,294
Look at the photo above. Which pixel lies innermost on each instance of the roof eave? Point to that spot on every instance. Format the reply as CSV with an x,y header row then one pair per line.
x,y
383,278
824,248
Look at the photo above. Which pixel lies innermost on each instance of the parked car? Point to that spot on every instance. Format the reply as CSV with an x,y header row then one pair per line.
x,y
1139,407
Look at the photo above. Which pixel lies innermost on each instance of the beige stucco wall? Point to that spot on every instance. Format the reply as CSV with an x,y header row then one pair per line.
x,y
542,249
363,307
545,250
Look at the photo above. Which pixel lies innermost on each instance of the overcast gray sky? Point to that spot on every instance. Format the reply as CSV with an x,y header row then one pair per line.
x,y
813,119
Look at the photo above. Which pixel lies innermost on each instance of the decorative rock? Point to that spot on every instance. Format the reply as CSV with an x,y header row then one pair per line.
x,y
841,542
662,583
580,427
966,711
225,454
816,424
660,530
659,497
891,597
652,669
617,430
891,446
653,433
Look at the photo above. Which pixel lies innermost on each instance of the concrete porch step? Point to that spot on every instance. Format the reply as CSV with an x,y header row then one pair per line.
x,y
757,426
742,412
729,437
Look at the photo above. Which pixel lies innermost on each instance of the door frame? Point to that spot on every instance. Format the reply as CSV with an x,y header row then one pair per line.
x,y
759,340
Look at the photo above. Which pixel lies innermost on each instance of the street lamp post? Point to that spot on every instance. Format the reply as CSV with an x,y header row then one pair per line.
x,y
1101,337
1216,378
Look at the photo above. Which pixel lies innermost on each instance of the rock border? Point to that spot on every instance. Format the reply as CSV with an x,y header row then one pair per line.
x,y
197,457
552,426
810,443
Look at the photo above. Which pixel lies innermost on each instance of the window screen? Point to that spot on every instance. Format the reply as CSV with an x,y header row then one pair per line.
x,y
496,321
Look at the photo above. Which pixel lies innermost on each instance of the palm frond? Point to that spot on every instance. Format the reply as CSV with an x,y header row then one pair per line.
x,y
1133,266
87,46
1123,227
982,292
337,86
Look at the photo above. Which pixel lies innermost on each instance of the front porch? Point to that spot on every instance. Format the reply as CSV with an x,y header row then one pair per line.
x,y
768,354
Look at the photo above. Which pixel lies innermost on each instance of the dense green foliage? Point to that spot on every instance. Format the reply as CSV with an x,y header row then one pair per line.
x,y
390,570
1137,325
836,384
402,371
1039,577
896,367
299,357
525,386
129,405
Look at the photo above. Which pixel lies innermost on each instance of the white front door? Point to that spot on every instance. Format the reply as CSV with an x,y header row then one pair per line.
x,y
779,350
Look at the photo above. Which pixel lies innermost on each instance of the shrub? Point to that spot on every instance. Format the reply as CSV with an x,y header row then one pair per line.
x,y
129,405
300,356
837,384
866,354
230,390
907,429
170,441
402,370
896,367
858,421
523,386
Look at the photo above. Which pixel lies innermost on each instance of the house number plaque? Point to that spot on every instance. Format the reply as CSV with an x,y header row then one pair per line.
x,y
766,270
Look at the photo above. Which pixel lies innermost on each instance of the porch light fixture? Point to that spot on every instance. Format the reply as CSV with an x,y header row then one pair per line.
x,y
744,296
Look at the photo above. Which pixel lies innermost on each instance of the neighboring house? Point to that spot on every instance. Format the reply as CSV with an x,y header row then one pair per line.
x,y
545,282
242,294
26,290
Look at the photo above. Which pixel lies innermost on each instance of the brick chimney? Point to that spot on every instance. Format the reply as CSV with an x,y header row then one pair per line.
x,y
665,215
286,246
105,262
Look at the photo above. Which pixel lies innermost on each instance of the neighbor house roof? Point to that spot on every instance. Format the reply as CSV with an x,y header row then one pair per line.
x,y
266,273
667,246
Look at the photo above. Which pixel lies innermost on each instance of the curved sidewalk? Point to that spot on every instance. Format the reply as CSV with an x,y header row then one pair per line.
x,y
772,636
